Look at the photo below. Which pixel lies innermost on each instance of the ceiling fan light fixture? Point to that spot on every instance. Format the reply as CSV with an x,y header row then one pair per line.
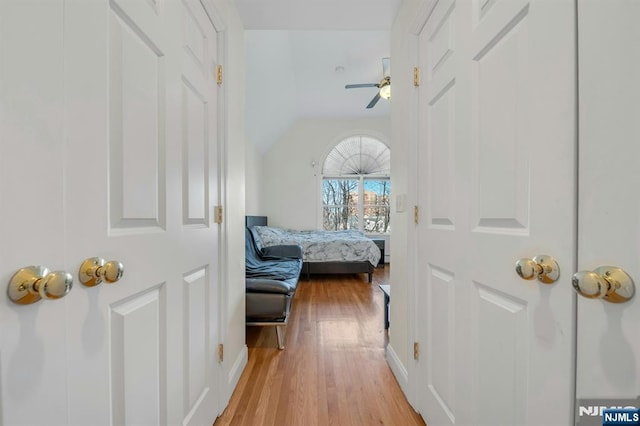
x,y
384,87
385,91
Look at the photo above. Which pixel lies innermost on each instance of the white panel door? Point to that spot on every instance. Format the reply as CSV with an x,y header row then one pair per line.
x,y
497,149
439,221
109,148
32,165
608,343
142,145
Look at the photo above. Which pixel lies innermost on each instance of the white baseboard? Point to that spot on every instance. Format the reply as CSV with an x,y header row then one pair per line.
x,y
234,376
238,367
398,369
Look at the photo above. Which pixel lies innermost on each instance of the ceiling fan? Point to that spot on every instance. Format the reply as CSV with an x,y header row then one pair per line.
x,y
384,86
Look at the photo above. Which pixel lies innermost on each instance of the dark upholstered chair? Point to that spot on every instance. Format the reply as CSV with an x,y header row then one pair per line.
x,y
271,278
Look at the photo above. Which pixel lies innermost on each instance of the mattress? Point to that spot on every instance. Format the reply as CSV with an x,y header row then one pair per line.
x,y
321,246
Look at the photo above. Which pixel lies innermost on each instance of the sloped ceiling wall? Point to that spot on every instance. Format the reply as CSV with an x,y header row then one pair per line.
x,y
295,74
301,54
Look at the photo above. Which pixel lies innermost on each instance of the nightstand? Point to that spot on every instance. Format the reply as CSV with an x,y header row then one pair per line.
x,y
386,289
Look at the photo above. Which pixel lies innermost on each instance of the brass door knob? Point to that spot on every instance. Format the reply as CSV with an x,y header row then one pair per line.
x,y
33,283
543,267
94,270
606,282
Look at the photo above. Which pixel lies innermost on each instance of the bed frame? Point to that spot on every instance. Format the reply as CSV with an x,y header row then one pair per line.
x,y
308,268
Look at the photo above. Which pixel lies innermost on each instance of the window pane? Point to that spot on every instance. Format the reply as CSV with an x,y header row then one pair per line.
x,y
377,212
340,204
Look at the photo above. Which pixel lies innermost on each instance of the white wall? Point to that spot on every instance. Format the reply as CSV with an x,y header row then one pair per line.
x,y
270,78
253,175
290,184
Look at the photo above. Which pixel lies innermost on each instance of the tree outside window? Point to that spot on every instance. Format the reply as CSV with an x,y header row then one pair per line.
x,y
340,201
377,194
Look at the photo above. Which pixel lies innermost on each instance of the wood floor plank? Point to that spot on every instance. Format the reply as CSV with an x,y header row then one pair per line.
x,y
333,369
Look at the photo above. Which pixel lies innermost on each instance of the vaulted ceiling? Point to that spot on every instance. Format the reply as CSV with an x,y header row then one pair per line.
x,y
300,55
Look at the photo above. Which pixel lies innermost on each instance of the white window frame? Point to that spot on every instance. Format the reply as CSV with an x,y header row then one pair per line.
x,y
360,179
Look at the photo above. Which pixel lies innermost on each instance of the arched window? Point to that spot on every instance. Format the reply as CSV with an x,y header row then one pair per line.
x,y
355,186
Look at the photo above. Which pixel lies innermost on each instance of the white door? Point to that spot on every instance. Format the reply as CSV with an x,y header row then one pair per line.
x,y
32,167
135,181
497,145
608,343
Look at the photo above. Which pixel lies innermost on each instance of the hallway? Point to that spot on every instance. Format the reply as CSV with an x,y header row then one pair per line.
x,y
333,368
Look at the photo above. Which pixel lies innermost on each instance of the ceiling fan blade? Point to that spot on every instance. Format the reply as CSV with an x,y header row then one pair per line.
x,y
386,67
355,86
374,101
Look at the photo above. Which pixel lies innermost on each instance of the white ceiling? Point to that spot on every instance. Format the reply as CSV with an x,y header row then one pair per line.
x,y
300,55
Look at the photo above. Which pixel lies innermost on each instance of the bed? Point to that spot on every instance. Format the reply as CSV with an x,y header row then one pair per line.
x,y
325,252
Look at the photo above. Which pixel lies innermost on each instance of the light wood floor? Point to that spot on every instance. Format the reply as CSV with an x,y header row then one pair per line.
x,y
333,369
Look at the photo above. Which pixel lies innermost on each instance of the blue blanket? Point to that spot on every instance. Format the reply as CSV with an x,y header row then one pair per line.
x,y
260,266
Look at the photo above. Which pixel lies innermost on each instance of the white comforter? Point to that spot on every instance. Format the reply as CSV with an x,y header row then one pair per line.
x,y
322,246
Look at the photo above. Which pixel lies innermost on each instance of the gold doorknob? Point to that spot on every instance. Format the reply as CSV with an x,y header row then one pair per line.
x,y
94,270
606,282
543,267
33,283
